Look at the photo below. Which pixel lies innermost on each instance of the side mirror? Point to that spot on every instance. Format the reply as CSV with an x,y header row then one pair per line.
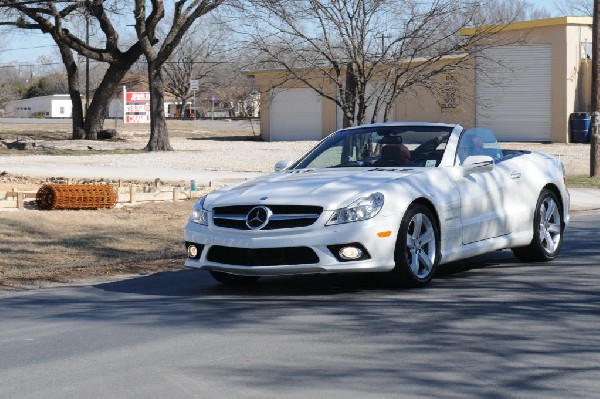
x,y
477,164
281,165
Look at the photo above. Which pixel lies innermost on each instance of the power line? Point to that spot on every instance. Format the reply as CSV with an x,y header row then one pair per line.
x,y
25,48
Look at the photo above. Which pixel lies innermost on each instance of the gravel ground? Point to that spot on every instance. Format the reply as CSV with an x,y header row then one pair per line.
x,y
189,154
575,157
205,154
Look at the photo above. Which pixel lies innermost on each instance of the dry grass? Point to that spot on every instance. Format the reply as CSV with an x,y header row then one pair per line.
x,y
62,130
44,247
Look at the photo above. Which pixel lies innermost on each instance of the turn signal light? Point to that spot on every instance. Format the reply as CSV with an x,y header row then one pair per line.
x,y
384,234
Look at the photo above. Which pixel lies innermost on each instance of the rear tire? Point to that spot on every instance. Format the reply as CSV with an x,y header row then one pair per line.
x,y
233,279
417,250
547,230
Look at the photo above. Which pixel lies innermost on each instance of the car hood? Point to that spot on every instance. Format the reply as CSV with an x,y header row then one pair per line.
x,y
329,188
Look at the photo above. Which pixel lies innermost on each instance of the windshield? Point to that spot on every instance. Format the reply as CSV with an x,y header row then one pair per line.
x,y
478,141
382,146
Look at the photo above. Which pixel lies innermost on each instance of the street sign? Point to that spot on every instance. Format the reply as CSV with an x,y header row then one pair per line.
x,y
194,85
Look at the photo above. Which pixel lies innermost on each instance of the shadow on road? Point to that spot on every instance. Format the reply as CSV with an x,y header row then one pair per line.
x,y
193,282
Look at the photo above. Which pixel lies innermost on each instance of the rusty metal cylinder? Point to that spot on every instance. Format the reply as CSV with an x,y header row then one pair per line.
x,y
76,196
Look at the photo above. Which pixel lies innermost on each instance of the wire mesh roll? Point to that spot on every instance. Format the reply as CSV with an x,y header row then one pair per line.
x,y
76,196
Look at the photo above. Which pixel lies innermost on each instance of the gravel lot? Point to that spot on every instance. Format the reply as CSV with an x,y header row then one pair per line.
x,y
225,146
190,154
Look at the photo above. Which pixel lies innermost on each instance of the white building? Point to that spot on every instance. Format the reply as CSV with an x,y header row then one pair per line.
x,y
54,106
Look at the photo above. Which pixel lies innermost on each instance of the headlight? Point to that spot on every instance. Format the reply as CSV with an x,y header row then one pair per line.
x,y
199,214
362,208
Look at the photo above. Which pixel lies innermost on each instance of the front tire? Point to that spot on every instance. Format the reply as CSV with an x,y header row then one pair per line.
x,y
232,279
417,250
547,230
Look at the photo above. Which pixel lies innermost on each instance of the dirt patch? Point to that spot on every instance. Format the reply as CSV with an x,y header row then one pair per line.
x,y
40,248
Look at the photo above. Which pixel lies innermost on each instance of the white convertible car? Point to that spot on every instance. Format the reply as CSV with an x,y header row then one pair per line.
x,y
396,198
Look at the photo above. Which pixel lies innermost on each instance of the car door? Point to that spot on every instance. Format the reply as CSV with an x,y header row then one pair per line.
x,y
486,197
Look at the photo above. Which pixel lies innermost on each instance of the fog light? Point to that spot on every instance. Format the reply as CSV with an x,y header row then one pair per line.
x,y
350,253
192,251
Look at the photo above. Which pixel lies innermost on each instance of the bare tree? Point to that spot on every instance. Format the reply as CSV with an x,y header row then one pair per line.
x,y
12,83
195,58
185,13
370,51
575,7
54,18
234,88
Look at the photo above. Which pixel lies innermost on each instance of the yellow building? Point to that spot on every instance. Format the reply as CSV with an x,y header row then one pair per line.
x,y
524,91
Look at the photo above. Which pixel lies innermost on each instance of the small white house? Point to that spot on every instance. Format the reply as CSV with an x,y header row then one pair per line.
x,y
54,106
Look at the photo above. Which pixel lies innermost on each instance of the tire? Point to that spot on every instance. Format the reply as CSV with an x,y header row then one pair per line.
x,y
547,230
417,252
232,279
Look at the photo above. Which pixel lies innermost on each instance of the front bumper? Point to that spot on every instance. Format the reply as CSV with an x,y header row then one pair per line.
x,y
316,237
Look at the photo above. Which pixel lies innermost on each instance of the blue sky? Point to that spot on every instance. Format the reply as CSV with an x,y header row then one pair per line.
x,y
27,47
548,5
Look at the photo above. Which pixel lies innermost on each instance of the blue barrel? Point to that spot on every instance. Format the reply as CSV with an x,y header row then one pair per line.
x,y
581,123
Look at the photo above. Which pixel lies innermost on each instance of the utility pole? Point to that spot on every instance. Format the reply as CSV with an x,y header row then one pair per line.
x,y
595,136
383,37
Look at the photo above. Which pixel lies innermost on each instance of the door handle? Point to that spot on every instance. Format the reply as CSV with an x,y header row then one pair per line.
x,y
515,175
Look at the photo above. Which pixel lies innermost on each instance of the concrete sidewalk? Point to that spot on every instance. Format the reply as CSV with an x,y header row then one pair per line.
x,y
145,172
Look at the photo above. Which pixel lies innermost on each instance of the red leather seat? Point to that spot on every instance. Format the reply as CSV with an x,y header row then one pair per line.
x,y
394,155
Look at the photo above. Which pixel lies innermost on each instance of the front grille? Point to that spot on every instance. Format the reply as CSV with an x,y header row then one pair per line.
x,y
284,216
262,256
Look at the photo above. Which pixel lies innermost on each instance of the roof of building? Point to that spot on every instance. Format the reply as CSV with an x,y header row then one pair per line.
x,y
520,25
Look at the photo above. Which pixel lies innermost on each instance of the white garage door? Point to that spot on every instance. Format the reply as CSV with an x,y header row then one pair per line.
x,y
295,115
514,96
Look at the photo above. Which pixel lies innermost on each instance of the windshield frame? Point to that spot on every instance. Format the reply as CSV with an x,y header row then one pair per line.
x,y
386,133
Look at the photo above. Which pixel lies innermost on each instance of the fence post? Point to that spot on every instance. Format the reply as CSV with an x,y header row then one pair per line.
x,y
132,194
20,200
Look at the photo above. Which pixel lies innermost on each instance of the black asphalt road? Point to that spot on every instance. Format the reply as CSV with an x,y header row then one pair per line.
x,y
489,327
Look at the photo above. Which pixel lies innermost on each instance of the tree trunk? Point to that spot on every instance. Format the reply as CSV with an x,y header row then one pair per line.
x,y
595,136
159,135
74,93
98,110
350,96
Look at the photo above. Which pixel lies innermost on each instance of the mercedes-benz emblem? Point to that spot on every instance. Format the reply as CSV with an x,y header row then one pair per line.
x,y
258,217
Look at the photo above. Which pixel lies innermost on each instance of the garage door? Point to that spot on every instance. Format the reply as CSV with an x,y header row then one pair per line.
x,y
514,92
295,115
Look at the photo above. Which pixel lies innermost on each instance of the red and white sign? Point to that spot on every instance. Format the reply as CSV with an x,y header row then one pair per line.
x,y
136,107
138,97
